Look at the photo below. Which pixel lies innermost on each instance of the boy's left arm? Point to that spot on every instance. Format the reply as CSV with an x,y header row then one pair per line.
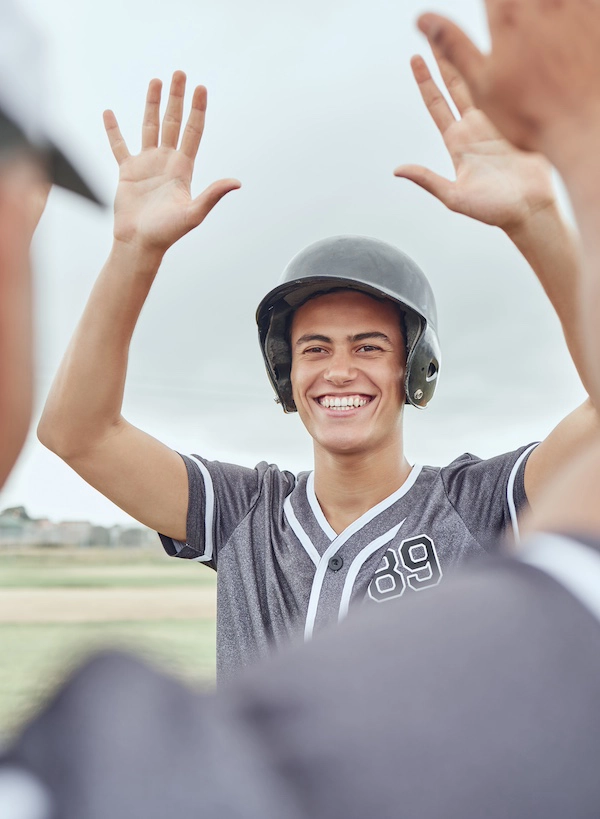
x,y
505,187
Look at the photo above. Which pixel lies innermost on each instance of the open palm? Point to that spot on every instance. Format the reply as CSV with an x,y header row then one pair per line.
x,y
153,206
495,182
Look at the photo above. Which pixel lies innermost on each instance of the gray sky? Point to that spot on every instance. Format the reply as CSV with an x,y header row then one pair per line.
x,y
311,106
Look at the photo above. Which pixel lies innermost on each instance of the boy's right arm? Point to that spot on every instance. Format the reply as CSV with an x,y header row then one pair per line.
x,y
82,421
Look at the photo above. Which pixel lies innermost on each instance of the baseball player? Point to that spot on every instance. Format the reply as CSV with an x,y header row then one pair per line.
x,y
349,337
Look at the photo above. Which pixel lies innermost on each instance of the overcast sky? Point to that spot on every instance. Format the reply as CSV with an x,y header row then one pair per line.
x,y
311,106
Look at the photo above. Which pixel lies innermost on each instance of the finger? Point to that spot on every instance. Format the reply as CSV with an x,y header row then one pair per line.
x,y
457,87
454,45
117,143
192,134
203,204
433,183
172,119
151,123
433,98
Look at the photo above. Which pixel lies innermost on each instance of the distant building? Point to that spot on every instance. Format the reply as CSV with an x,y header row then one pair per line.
x,y
137,536
16,513
100,536
73,532
18,529
11,530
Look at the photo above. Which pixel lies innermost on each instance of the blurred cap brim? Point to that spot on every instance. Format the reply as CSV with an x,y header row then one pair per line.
x,y
62,172
59,168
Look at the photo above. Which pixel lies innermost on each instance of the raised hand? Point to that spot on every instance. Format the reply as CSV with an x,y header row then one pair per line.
x,y
153,206
495,182
540,82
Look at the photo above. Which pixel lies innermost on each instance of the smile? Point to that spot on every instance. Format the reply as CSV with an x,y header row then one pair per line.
x,y
343,403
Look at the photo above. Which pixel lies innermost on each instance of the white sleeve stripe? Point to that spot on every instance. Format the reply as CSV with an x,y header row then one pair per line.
x,y
510,492
573,565
209,516
299,531
357,564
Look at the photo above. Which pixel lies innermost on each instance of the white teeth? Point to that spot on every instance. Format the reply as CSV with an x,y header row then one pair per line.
x,y
343,403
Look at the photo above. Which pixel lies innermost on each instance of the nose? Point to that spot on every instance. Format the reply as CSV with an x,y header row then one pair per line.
x,y
340,369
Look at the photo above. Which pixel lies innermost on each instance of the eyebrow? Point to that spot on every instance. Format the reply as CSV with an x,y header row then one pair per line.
x,y
352,339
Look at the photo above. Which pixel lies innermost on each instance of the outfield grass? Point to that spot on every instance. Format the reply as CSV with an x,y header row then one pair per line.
x,y
37,655
97,567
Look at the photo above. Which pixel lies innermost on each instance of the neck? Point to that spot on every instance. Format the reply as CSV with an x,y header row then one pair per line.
x,y
349,484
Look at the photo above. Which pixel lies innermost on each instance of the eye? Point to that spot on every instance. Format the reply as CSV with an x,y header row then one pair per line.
x,y
369,348
314,350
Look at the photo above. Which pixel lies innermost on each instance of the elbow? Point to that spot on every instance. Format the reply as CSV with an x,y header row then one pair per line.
x,y
71,437
57,437
49,436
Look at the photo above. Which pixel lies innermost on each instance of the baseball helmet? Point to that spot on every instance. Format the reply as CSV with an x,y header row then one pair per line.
x,y
355,263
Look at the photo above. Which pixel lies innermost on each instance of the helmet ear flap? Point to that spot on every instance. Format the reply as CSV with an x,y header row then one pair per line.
x,y
422,369
274,340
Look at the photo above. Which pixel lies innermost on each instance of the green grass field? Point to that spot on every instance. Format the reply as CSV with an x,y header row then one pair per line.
x,y
36,655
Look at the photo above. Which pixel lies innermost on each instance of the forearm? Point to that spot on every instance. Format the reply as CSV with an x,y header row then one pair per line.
x,y
582,178
84,404
552,249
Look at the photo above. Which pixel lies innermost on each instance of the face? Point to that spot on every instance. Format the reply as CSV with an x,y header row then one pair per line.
x,y
348,361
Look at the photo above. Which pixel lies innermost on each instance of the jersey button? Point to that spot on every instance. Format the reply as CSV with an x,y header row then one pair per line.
x,y
335,563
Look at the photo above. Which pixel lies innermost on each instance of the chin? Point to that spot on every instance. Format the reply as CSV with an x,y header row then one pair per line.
x,y
343,445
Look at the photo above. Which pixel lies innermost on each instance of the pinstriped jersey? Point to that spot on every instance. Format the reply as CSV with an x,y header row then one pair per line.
x,y
283,572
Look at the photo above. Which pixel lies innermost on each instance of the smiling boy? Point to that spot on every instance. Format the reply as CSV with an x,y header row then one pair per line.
x,y
349,336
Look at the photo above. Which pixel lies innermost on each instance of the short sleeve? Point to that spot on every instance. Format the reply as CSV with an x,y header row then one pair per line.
x,y
489,495
220,495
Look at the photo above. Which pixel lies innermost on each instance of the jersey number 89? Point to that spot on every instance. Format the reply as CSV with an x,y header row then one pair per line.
x,y
414,562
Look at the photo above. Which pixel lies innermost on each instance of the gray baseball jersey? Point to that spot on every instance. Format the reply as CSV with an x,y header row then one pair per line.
x,y
283,572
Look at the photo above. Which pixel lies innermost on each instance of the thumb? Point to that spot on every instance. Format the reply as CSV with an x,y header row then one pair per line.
x,y
202,205
432,182
452,44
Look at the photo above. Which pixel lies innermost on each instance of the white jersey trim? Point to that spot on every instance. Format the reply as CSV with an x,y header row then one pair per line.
x,y
316,508
573,565
336,545
368,515
510,492
297,529
358,563
209,499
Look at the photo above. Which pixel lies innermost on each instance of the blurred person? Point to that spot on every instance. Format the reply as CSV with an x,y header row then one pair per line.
x,y
29,163
349,337
481,700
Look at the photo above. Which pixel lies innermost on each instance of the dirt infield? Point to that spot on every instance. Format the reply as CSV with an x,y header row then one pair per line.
x,y
111,604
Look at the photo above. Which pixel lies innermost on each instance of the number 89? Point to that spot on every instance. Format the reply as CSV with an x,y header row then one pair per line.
x,y
414,562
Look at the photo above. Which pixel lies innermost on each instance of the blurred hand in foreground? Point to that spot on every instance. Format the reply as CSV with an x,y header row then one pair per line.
x,y
540,82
